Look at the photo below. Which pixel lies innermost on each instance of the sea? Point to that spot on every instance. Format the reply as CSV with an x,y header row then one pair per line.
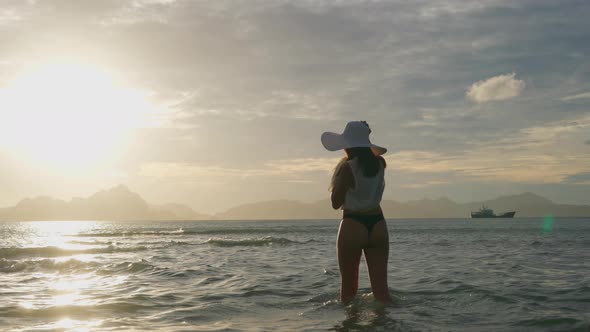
x,y
522,274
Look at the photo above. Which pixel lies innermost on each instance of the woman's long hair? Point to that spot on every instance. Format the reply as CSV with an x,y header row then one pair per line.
x,y
369,163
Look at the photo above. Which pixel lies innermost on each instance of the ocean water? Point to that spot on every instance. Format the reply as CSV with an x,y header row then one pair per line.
x,y
444,275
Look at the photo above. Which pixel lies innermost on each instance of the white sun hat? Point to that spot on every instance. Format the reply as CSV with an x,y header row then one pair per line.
x,y
355,135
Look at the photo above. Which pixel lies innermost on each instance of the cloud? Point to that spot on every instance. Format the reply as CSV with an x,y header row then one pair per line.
x,y
252,84
578,179
424,184
190,170
490,164
501,87
285,167
8,15
299,165
552,131
536,154
585,95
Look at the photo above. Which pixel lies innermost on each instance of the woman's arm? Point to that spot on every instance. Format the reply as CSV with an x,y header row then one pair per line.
x,y
344,180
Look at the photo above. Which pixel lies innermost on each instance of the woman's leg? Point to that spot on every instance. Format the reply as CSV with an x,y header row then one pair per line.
x,y
352,237
377,256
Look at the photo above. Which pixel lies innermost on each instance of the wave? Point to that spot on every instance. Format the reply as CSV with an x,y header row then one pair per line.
x,y
74,311
91,243
252,242
71,265
57,251
450,287
166,244
179,231
556,323
264,230
140,266
77,266
47,264
8,265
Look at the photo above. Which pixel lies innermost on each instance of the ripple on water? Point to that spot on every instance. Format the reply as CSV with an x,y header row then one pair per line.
x,y
448,275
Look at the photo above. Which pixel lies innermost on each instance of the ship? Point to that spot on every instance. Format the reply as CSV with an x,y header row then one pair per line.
x,y
485,212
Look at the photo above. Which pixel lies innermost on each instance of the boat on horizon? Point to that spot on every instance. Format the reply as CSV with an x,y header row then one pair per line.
x,y
485,212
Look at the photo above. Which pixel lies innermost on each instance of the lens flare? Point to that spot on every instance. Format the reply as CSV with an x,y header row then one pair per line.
x,y
548,221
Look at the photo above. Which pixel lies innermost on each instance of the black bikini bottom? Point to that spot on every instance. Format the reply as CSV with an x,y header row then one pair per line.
x,y
369,221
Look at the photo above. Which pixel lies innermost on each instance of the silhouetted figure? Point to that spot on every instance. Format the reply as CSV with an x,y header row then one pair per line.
x,y
357,187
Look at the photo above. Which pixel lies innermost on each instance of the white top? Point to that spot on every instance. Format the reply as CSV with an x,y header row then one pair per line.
x,y
367,192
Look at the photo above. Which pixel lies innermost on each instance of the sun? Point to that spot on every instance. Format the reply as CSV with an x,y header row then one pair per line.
x,y
69,114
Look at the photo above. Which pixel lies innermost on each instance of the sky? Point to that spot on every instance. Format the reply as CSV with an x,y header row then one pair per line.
x,y
218,103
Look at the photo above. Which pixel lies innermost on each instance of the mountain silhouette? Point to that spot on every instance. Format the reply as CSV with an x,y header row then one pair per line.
x,y
120,203
281,209
525,205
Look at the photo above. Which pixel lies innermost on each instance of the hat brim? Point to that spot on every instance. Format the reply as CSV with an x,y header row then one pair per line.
x,y
334,142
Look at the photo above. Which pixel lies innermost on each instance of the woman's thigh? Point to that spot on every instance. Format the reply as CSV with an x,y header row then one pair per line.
x,y
377,253
377,256
377,250
352,235
379,237
351,240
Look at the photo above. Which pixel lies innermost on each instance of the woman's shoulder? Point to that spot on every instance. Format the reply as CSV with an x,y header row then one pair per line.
x,y
344,168
343,176
342,163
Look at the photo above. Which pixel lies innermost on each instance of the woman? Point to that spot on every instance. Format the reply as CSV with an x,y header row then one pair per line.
x,y
357,187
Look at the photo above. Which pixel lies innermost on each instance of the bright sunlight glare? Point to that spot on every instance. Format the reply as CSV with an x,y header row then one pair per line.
x,y
69,115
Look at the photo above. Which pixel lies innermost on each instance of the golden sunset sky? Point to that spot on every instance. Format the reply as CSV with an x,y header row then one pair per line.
x,y
217,103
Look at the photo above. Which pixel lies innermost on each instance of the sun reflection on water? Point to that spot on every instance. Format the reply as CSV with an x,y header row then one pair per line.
x,y
56,233
77,284
70,289
72,325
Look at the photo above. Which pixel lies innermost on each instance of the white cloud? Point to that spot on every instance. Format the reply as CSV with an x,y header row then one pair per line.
x,y
501,87
290,166
424,184
187,170
438,8
8,16
585,95
238,73
516,166
285,167
582,179
538,154
552,131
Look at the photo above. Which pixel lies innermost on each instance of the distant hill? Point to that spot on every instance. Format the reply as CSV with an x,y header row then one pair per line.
x,y
532,205
119,203
525,205
281,209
